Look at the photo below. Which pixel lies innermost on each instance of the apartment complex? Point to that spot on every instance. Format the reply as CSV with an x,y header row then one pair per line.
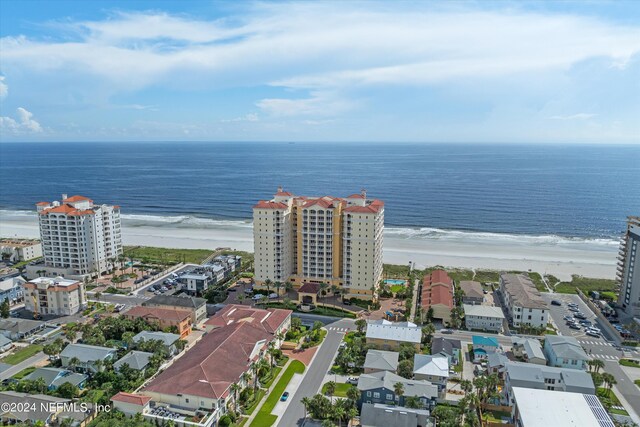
x,y
437,294
332,240
629,268
16,250
523,302
78,237
61,297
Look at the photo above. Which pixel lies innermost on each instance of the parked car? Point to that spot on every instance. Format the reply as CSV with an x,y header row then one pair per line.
x,y
555,302
447,331
273,296
284,396
257,297
592,333
572,304
585,322
346,302
567,317
574,309
574,326
579,315
352,380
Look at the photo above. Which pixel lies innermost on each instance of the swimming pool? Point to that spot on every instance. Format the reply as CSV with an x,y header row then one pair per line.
x,y
394,282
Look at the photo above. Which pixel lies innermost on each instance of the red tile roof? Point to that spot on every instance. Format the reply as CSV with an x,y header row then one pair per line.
x,y
218,360
159,313
437,288
270,319
42,204
264,204
440,276
356,196
320,202
364,209
134,399
310,288
76,199
284,193
68,210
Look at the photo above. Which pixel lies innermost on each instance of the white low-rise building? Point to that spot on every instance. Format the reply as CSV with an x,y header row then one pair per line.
x,y
483,317
523,301
16,250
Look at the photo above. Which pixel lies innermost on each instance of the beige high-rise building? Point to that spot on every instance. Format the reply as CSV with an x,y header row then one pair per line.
x,y
57,296
327,239
629,268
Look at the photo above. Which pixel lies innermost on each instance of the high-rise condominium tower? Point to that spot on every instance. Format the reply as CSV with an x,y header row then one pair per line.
x,y
332,240
629,268
78,237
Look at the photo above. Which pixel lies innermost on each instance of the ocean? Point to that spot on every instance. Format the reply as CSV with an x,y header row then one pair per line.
x,y
535,193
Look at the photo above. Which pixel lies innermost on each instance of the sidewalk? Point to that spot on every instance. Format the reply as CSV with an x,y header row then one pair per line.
x,y
267,393
627,406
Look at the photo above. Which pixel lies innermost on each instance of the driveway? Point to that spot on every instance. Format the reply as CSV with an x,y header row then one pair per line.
x,y
312,381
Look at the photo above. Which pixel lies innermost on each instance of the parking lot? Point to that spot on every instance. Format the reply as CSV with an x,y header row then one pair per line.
x,y
558,312
146,291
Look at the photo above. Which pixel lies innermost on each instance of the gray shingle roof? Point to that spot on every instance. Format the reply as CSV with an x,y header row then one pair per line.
x,y
385,330
471,289
496,359
167,338
483,310
20,326
56,377
566,347
427,364
374,415
4,341
527,374
86,353
531,346
444,345
383,360
137,360
522,290
386,380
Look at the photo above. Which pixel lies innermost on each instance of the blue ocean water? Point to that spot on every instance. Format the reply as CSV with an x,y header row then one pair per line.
x,y
565,190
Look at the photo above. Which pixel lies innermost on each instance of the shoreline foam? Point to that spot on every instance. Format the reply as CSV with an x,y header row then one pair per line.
x,y
557,255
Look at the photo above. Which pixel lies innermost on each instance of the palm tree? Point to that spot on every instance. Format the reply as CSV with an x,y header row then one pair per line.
x,y
254,371
272,351
398,389
241,298
235,389
245,377
338,413
323,288
466,386
360,325
268,283
330,388
307,403
598,364
74,362
427,332
97,296
70,334
278,285
353,393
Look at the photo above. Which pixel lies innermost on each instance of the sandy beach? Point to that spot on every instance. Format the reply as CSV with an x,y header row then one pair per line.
x,y
561,257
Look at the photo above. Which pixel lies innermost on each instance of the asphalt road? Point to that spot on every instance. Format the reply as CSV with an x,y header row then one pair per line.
x,y
294,415
36,358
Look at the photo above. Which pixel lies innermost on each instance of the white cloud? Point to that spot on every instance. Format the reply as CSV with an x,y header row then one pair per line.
x,y
24,125
321,103
251,117
578,116
4,89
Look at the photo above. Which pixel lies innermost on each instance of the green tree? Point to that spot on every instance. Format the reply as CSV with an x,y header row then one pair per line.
x,y
407,351
361,324
67,390
398,389
429,314
405,368
330,389
4,309
353,394
427,332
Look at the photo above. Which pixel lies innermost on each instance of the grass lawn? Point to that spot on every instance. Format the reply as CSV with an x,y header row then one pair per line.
x,y
630,362
397,288
586,284
323,311
637,382
487,276
608,396
536,278
397,271
255,403
22,354
274,375
263,417
152,255
20,375
341,389
495,416
459,367
92,396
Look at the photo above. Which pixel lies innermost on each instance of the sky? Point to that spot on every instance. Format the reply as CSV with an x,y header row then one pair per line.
x,y
468,71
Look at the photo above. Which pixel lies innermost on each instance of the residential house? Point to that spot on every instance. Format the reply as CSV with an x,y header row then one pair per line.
x,y
58,296
168,340
473,292
46,410
544,408
448,347
136,360
380,360
16,250
131,404
196,306
18,329
377,415
528,349
565,352
54,377
274,321
91,358
12,289
379,387
385,335
483,317
437,294
5,344
163,317
528,375
434,369
482,346
196,284
523,302
496,364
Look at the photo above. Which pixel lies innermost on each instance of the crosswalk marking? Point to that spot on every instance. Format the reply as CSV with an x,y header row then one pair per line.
x,y
333,328
594,342
605,356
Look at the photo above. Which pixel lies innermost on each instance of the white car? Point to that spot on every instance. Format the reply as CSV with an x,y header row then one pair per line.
x,y
273,296
593,333
258,297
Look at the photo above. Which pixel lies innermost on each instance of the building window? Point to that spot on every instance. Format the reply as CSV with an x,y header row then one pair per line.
x,y
376,395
